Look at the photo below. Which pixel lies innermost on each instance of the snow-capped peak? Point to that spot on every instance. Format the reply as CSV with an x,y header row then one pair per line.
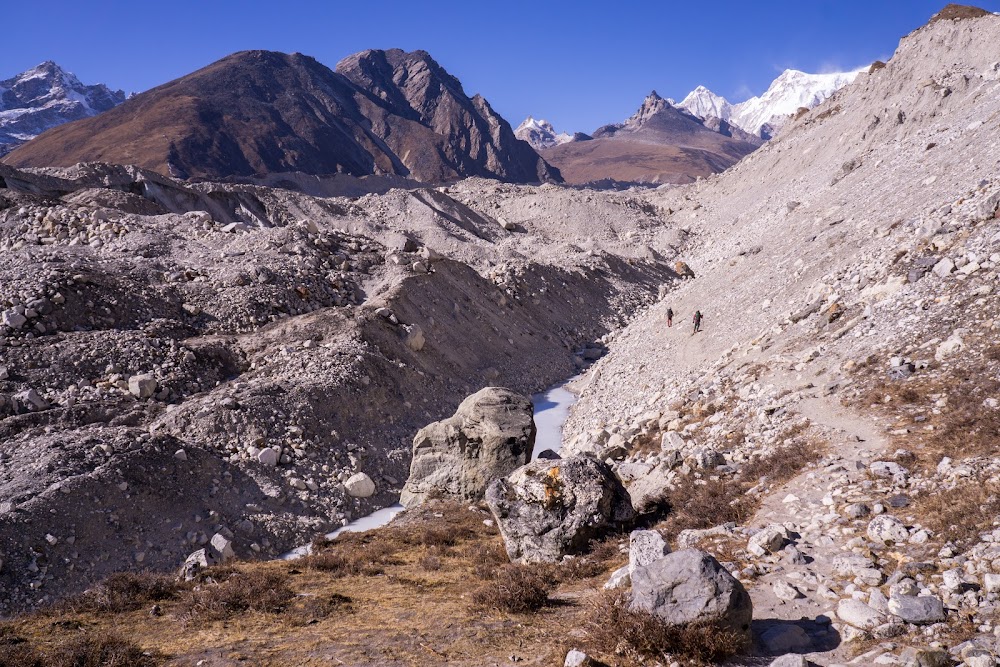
x,y
792,90
540,133
703,103
45,96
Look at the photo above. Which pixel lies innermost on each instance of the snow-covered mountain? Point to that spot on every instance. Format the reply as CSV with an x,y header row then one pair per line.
x,y
540,133
764,114
44,97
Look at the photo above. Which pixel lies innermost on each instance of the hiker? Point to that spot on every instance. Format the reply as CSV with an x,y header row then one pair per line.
x,y
670,317
697,321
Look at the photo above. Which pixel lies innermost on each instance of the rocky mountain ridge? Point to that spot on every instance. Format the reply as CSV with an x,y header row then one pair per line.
x,y
256,114
44,97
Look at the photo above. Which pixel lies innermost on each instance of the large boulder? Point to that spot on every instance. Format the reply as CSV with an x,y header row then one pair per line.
x,y
490,435
690,586
547,509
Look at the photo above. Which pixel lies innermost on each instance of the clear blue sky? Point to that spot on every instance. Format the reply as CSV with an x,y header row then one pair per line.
x,y
578,64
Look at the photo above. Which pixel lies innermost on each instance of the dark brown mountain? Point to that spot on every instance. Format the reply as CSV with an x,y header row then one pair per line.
x,y
658,144
256,113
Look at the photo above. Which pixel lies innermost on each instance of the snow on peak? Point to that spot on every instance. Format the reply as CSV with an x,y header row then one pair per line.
x,y
703,103
46,96
792,90
540,133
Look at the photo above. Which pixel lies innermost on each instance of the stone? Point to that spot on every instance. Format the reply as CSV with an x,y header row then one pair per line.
x,y
180,455
890,470
924,657
690,586
644,547
31,400
547,509
767,540
13,319
991,582
549,455
360,485
790,660
672,441
491,435
887,530
579,659
222,548
268,457
142,386
785,591
943,268
620,578
859,615
415,339
195,563
917,610
785,638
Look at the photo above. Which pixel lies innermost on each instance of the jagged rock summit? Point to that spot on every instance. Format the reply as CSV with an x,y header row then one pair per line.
x,y
659,143
256,113
46,96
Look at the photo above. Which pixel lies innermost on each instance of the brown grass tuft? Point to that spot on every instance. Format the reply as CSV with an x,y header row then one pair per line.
x,y
514,588
105,649
960,514
615,628
253,590
122,592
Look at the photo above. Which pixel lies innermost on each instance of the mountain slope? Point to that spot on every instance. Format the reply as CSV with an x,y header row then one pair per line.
x,y
256,113
659,143
44,97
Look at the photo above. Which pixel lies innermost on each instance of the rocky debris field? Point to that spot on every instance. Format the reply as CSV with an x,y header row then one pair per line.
x,y
179,362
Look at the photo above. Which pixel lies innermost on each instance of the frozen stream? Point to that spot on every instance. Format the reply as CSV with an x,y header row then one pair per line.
x,y
551,409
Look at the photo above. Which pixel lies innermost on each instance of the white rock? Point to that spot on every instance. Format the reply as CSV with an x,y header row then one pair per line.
x,y
859,615
620,578
268,457
644,547
360,485
142,386
887,529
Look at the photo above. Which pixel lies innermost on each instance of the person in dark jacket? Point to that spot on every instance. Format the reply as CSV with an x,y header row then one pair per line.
x,y
697,321
670,317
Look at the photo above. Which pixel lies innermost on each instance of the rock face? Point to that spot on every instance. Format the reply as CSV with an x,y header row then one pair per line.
x,y
548,509
490,435
44,97
690,586
256,113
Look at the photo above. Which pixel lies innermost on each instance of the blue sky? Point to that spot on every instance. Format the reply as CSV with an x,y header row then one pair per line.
x,y
577,64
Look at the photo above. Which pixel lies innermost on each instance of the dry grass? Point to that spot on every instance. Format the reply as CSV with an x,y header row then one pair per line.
x,y
124,591
259,591
960,514
409,614
88,649
517,589
639,636
715,502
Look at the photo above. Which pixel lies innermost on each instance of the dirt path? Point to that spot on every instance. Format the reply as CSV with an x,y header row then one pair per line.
x,y
811,507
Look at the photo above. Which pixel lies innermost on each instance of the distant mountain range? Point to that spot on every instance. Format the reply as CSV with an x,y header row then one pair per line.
x,y
44,97
760,116
659,143
765,114
259,113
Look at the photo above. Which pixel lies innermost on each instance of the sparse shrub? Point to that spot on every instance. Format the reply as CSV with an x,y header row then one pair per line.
x,y
430,562
308,609
638,635
255,590
123,591
960,514
486,558
105,649
517,589
15,651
